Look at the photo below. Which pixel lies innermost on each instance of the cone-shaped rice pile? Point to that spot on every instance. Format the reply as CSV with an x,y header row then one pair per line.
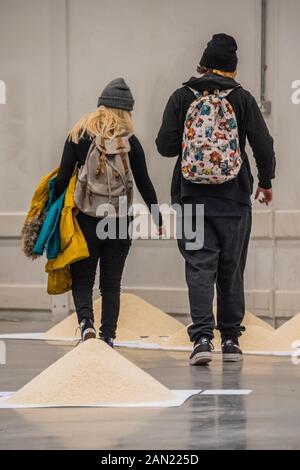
x,y
137,316
285,335
255,338
178,339
251,319
67,328
91,374
123,334
144,319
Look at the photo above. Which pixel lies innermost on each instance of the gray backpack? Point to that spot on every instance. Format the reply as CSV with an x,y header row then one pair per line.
x,y
105,178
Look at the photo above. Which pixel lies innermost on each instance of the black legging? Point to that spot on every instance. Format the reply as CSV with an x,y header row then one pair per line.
x,y
111,255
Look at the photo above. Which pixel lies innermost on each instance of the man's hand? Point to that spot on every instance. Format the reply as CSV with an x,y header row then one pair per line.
x,y
266,197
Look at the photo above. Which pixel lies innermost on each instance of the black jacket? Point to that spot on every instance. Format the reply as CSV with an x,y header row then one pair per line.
x,y
251,125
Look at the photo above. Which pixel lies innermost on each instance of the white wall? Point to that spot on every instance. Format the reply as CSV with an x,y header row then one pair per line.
x,y
55,69
33,123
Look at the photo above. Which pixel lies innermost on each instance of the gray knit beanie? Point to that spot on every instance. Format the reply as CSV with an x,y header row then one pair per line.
x,y
117,94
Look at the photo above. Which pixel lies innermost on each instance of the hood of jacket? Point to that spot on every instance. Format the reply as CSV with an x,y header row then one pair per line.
x,y
211,82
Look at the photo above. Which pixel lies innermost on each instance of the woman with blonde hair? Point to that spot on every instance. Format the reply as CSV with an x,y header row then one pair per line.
x,y
108,130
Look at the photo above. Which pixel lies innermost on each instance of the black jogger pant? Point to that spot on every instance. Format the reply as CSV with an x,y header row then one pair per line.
x,y
111,255
221,261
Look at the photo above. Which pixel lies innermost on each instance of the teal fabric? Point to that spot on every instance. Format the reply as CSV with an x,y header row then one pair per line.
x,y
49,236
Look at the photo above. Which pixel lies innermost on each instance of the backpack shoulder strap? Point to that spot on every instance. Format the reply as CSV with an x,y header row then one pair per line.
x,y
195,92
225,93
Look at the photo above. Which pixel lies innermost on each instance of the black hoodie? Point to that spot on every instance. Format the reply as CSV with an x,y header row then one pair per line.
x,y
251,125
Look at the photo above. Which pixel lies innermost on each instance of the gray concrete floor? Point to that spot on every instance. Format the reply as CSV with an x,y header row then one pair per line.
x,y
269,418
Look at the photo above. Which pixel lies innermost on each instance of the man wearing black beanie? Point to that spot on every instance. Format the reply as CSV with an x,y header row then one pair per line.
x,y
227,206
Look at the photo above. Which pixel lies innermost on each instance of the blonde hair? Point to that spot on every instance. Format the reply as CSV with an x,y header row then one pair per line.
x,y
201,69
104,121
222,73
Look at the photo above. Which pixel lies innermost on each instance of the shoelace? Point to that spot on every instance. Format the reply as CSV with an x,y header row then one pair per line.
x,y
80,327
230,342
205,341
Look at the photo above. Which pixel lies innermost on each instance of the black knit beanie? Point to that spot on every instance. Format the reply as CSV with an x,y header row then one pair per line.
x,y
220,53
117,94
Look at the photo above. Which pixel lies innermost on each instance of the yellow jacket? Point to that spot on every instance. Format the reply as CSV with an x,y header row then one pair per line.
x,y
73,244
40,196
